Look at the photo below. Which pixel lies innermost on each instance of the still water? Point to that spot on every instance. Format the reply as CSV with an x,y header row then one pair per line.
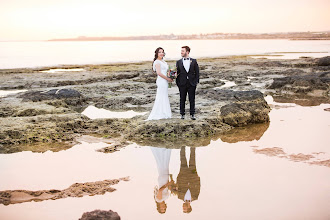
x,y
4,93
52,53
239,175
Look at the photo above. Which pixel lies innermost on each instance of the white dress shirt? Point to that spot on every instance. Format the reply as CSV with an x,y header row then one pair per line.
x,y
187,197
186,64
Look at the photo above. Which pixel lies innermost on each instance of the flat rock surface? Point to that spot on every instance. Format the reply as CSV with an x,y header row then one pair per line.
x,y
230,94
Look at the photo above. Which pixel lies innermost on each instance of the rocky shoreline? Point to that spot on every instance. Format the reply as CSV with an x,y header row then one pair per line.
x,y
48,115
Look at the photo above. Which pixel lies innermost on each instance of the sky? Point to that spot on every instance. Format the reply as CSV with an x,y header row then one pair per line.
x,y
49,19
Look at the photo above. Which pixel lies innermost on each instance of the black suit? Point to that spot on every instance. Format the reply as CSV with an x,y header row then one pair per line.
x,y
187,85
188,177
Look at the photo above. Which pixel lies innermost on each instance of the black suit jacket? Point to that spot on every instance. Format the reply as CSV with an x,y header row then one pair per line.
x,y
193,73
188,179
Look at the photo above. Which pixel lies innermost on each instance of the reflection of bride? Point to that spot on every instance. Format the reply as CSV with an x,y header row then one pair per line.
x,y
161,192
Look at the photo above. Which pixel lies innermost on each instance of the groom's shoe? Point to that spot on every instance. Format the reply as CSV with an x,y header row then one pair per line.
x,y
192,117
182,116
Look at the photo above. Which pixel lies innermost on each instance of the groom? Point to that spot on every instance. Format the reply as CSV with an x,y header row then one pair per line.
x,y
187,80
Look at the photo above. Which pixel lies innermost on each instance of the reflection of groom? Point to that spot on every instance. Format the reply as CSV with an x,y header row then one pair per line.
x,y
187,80
188,181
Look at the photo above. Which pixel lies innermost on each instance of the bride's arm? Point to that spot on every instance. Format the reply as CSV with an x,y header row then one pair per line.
x,y
160,73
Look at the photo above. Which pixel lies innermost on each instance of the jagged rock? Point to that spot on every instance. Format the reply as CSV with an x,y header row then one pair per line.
x,y
248,107
241,114
251,95
172,128
175,132
231,95
100,215
49,129
302,84
132,87
50,94
324,61
5,111
30,112
212,82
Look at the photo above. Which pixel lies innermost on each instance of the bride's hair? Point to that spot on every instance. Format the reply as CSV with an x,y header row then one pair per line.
x,y
158,204
156,54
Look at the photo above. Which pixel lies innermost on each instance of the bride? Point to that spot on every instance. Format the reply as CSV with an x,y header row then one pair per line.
x,y
161,108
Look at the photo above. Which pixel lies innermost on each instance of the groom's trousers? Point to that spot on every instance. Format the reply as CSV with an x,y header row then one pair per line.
x,y
188,88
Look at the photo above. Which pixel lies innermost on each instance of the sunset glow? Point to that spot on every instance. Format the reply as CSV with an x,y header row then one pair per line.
x,y
42,20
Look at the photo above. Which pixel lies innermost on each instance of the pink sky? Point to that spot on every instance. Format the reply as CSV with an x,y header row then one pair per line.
x,y
42,19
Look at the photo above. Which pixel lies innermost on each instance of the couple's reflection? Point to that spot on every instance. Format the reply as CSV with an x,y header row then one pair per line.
x,y
187,187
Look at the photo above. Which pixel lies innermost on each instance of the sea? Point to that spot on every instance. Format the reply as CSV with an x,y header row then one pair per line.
x,y
29,54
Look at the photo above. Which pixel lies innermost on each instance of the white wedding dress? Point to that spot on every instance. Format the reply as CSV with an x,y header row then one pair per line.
x,y
162,157
161,108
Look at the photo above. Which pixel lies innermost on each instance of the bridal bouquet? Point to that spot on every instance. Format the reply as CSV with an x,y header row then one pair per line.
x,y
172,74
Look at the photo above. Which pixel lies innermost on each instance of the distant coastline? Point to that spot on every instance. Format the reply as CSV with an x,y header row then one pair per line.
x,y
325,35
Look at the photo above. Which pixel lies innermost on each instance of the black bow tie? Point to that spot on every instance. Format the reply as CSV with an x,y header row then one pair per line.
x,y
186,58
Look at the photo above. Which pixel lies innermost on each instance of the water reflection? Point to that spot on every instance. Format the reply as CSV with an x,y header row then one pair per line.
x,y
234,167
247,133
300,99
187,186
188,181
177,143
161,192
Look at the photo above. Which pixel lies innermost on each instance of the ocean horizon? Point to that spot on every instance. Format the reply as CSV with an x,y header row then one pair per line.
x,y
31,54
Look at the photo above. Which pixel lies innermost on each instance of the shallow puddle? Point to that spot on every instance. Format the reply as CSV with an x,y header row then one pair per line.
x,y
4,93
292,55
62,70
263,171
227,84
